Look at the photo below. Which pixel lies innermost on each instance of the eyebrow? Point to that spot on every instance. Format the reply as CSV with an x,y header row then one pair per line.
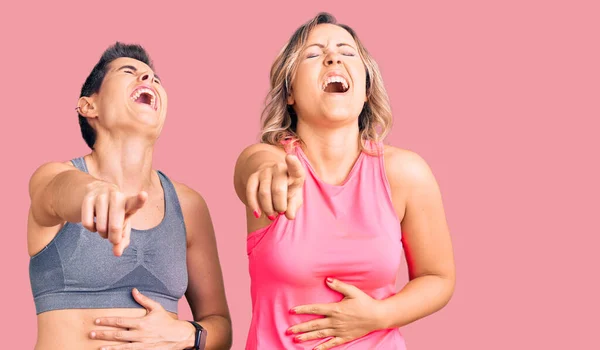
x,y
135,70
323,46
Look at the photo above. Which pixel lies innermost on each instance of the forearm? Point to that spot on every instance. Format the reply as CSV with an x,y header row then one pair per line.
x,y
250,162
66,192
257,161
420,297
218,330
57,194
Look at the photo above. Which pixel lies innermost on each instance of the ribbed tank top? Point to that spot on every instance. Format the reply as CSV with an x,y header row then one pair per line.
x,y
350,232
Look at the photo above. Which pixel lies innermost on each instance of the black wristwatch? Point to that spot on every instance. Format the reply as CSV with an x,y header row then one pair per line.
x,y
200,340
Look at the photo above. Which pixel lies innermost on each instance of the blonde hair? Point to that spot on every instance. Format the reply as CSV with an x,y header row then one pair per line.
x,y
279,119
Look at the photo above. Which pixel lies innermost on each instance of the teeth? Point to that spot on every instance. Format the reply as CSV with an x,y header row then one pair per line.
x,y
335,79
138,92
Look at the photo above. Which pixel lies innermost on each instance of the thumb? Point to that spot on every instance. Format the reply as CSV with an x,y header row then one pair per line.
x,y
146,302
135,203
296,172
347,290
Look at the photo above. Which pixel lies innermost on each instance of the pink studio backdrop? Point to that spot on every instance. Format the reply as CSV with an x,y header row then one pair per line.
x,y
501,98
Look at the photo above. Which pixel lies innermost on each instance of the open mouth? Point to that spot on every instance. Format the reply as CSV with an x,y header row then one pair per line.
x,y
335,84
144,95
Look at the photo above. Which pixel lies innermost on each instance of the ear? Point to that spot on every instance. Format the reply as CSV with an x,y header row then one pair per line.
x,y
290,99
86,107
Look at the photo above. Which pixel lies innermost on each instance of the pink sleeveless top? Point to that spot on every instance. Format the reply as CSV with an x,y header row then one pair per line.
x,y
349,232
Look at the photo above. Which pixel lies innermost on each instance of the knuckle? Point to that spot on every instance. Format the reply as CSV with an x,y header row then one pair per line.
x,y
280,166
111,187
264,193
254,176
118,335
321,334
115,228
116,196
266,173
279,190
119,321
314,327
102,197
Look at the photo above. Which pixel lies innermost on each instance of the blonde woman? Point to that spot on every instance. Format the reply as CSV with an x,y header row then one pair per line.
x,y
330,209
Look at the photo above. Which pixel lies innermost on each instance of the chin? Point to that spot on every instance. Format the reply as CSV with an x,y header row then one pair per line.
x,y
340,114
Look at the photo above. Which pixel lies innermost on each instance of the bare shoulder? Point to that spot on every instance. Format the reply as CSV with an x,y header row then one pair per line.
x,y
53,167
261,147
195,212
404,167
189,199
46,172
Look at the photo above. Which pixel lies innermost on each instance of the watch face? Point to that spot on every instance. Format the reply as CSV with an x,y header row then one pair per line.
x,y
203,335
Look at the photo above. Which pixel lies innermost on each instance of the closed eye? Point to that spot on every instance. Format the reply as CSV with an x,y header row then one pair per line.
x,y
128,71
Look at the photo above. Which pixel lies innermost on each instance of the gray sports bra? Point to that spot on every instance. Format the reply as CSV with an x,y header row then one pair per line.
x,y
77,269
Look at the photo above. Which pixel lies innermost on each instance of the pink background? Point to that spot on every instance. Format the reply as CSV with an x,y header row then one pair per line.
x,y
502,100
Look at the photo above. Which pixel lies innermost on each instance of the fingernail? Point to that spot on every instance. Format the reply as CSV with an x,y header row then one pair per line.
x,y
292,311
297,339
256,214
271,217
289,332
93,335
282,213
135,291
97,321
329,280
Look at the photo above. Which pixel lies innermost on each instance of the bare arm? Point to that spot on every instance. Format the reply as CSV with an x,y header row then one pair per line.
x,y
426,239
268,182
206,291
251,160
57,191
61,193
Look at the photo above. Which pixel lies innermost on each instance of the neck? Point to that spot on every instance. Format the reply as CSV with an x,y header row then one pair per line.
x,y
126,162
331,152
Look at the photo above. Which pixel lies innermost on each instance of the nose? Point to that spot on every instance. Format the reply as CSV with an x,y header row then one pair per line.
x,y
333,58
147,76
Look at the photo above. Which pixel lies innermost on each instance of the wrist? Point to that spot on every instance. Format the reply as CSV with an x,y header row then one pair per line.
x,y
382,314
199,338
189,339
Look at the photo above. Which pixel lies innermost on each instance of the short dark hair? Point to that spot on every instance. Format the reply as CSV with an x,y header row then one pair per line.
x,y
94,80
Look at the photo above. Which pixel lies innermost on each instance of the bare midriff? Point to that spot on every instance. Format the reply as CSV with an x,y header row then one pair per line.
x,y
70,329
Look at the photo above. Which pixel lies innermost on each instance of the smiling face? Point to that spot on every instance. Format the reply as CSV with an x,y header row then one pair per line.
x,y
329,86
130,97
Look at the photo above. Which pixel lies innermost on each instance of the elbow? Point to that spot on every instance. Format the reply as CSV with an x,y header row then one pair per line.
x,y
448,283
